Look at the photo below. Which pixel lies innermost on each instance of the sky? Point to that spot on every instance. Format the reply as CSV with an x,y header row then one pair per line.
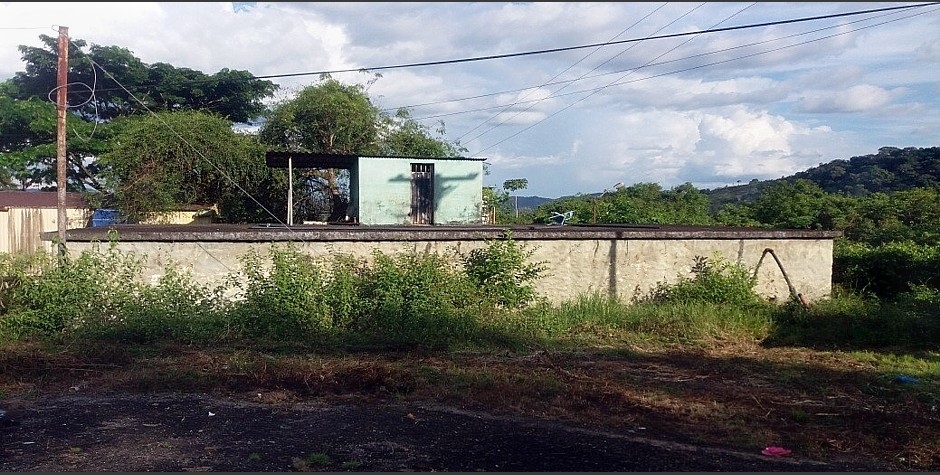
x,y
573,97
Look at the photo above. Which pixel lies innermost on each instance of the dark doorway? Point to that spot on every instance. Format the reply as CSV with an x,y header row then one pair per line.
x,y
422,193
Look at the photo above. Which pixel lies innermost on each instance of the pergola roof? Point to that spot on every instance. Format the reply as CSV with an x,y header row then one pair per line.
x,y
279,159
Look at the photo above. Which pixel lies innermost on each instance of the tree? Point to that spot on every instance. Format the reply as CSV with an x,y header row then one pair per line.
x,y
641,203
117,84
28,152
403,136
332,117
326,118
513,185
495,201
159,162
798,204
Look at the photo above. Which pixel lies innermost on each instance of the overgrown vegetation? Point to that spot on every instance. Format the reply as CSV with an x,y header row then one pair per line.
x,y
470,328
483,299
409,299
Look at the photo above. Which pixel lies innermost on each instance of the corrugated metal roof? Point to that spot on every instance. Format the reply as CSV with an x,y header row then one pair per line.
x,y
40,199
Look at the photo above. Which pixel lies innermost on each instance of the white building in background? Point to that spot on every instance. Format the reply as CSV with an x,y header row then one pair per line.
x,y
25,215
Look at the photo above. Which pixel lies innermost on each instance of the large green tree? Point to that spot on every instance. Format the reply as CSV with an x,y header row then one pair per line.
x,y
28,151
400,135
797,204
105,83
335,118
161,161
110,81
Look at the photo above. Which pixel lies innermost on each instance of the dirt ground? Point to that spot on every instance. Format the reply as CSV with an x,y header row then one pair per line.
x,y
181,432
178,408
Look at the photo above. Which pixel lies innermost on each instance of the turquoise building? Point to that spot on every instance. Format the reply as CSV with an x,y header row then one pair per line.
x,y
401,190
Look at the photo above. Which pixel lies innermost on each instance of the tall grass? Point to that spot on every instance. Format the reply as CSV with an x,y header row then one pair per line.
x,y
602,319
848,320
717,302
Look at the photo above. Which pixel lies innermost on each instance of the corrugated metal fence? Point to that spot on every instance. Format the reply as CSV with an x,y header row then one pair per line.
x,y
20,228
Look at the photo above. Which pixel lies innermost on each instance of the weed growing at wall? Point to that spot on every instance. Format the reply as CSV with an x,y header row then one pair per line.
x,y
409,298
715,280
174,309
63,296
281,299
415,298
503,271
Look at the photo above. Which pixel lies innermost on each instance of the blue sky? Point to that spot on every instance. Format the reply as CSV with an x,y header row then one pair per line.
x,y
709,109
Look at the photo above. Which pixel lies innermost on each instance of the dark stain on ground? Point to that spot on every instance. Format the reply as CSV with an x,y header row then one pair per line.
x,y
178,432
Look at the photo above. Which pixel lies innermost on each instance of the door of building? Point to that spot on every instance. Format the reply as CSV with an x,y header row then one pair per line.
x,y
422,193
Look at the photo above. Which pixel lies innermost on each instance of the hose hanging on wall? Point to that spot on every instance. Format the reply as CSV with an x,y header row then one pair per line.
x,y
793,293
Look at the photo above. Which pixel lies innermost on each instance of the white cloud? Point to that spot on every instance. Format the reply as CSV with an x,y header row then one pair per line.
x,y
860,98
929,51
749,134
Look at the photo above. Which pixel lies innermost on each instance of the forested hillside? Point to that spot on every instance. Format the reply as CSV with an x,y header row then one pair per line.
x,y
891,169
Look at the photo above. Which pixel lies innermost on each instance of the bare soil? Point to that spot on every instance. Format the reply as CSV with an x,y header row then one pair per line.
x,y
198,410
192,432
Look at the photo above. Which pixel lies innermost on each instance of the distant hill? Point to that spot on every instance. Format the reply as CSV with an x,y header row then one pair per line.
x,y
891,169
530,202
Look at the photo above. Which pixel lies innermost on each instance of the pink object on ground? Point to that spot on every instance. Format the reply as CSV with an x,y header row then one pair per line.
x,y
775,451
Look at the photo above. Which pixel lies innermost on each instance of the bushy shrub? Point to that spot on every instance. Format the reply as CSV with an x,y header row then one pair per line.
x,y
415,298
61,295
850,320
924,299
283,298
888,270
715,281
503,272
173,309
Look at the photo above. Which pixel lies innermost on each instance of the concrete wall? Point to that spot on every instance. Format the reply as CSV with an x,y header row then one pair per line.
x,y
613,263
384,190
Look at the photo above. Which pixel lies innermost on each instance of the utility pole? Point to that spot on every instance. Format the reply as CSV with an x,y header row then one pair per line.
x,y
62,79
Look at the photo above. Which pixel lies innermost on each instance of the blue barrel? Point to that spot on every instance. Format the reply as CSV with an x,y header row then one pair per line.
x,y
106,217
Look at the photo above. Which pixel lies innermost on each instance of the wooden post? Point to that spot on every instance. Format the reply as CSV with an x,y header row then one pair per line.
x,y
62,78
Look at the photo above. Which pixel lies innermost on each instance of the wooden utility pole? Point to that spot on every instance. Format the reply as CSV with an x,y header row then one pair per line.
x,y
62,79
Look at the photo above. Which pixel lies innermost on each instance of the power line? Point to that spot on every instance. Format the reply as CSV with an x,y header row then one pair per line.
x,y
594,45
605,62
546,51
615,83
633,70
568,68
647,65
